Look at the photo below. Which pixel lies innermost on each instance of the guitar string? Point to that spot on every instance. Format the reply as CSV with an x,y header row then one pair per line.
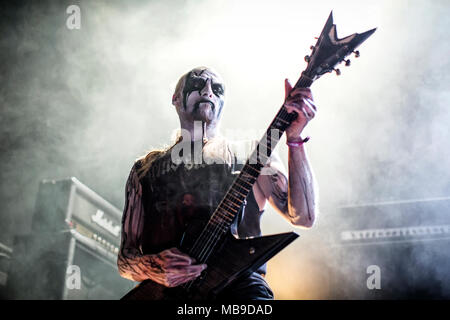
x,y
283,115
219,228
207,249
216,235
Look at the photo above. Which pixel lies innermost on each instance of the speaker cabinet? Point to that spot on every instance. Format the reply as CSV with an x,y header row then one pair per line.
x,y
55,266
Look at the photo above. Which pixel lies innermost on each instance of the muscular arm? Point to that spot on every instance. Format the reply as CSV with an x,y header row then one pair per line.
x,y
294,198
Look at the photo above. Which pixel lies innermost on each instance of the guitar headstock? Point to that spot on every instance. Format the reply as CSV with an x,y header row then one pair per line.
x,y
329,51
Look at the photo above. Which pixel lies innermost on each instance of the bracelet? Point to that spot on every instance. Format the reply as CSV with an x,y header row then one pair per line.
x,y
297,143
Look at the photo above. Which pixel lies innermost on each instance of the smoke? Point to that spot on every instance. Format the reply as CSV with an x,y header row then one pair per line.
x,y
87,102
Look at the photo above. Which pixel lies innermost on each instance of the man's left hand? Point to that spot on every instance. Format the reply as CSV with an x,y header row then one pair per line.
x,y
299,100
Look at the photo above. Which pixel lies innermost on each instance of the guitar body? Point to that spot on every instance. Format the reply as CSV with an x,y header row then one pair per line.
x,y
234,259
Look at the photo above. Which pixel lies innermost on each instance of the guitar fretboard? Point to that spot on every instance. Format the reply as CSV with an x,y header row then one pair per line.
x,y
222,218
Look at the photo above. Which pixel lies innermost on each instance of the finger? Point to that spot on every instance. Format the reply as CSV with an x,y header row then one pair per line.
x,y
175,279
176,276
310,103
287,88
185,269
309,114
180,257
300,93
293,107
174,253
306,91
196,268
180,281
299,96
298,109
177,263
310,109
306,115
301,103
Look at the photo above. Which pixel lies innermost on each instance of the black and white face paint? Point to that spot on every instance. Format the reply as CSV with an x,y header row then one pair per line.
x,y
203,96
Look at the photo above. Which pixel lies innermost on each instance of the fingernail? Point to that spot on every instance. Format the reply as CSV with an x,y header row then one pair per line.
x,y
204,266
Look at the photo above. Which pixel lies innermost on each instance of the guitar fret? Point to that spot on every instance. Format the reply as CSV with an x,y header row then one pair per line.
x,y
255,170
221,215
242,194
248,180
252,160
279,119
231,204
227,215
244,182
240,200
235,211
214,233
219,219
216,220
244,187
236,204
266,158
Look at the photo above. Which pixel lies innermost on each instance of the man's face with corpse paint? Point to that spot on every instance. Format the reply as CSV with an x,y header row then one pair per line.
x,y
202,96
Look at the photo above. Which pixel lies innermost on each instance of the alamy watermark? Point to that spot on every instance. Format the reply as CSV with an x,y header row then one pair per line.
x,y
190,149
73,21
73,277
374,280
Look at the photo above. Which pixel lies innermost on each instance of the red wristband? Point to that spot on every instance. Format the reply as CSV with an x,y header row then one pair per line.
x,y
297,143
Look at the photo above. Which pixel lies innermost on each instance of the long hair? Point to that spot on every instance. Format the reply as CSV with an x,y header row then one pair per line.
x,y
146,161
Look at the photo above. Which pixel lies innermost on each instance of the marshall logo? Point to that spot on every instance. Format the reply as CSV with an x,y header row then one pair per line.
x,y
104,223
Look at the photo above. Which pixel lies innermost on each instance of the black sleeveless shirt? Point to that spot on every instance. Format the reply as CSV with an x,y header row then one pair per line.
x,y
173,194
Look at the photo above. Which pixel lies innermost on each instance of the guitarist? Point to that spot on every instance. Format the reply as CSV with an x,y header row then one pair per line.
x,y
162,196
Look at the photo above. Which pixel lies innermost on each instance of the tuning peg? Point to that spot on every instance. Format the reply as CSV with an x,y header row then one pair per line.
x,y
356,53
307,58
347,63
312,47
338,72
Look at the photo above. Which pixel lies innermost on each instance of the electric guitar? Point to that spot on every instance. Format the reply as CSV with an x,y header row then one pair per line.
x,y
211,242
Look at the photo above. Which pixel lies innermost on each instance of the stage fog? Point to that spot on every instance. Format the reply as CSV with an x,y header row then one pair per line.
x,y
86,102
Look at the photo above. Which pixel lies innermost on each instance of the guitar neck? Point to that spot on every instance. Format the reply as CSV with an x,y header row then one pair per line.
x,y
230,205
304,81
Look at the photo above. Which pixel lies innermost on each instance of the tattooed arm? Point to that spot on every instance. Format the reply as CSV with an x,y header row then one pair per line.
x,y
296,198
169,267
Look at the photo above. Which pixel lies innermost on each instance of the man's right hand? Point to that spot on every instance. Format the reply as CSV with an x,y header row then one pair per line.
x,y
172,268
